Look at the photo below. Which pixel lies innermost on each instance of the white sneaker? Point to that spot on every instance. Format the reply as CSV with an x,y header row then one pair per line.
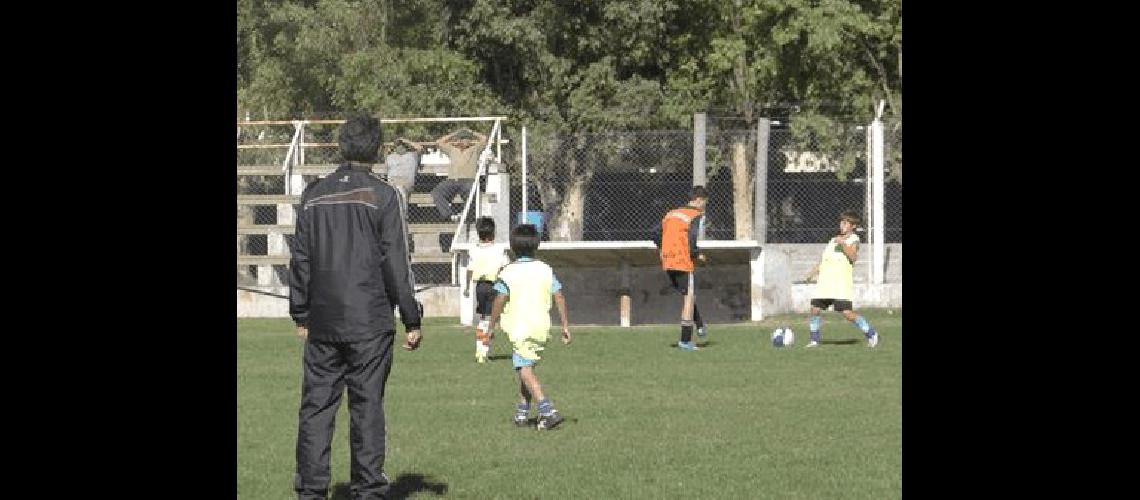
x,y
874,340
812,344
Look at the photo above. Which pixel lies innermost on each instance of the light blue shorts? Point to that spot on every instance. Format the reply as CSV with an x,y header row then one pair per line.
x,y
520,361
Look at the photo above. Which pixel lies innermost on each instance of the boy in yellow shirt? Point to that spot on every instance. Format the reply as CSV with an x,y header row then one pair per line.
x,y
836,283
525,288
485,261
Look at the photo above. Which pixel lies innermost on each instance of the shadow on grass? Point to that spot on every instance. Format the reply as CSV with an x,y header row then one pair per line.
x,y
698,343
840,342
403,487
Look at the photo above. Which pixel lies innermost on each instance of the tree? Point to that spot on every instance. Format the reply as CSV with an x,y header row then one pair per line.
x,y
566,68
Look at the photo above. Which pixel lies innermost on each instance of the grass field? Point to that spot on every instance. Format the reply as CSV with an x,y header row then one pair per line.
x,y
739,419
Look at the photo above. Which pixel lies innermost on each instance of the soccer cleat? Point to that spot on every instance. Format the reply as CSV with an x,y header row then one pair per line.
x,y
873,340
520,420
702,332
480,357
687,346
812,344
547,422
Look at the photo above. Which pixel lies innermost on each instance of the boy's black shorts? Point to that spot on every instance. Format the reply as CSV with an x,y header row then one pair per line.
x,y
484,297
840,305
679,280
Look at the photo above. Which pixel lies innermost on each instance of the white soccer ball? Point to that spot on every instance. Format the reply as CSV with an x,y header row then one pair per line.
x,y
783,336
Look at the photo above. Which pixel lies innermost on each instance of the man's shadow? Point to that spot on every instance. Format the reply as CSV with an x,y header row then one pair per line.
x,y
403,487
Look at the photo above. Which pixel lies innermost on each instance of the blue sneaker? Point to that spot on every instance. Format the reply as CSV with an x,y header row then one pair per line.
x,y
687,346
873,340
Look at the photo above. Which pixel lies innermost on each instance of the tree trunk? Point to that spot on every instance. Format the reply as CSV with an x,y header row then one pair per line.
x,y
568,224
741,191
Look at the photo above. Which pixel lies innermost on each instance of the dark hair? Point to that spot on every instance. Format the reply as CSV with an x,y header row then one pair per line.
x,y
485,226
524,240
850,216
698,192
360,138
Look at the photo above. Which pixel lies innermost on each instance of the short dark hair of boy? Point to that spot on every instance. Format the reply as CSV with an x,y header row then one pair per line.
x,y
360,138
524,240
485,226
850,216
698,192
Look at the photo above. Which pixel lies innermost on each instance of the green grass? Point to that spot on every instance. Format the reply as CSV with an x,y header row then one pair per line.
x,y
739,419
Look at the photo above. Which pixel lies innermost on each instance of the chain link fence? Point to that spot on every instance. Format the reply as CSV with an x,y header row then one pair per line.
x,y
617,186
612,186
607,186
892,197
812,178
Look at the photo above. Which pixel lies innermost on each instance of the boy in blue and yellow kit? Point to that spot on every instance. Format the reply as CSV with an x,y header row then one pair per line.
x,y
836,270
525,288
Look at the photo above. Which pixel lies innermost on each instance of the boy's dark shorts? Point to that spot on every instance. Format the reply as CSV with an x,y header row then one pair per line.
x,y
840,305
678,280
484,297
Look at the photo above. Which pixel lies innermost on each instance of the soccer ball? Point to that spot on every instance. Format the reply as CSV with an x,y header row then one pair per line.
x,y
783,336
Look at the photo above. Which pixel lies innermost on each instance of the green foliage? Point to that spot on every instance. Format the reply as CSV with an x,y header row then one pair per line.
x,y
568,67
839,142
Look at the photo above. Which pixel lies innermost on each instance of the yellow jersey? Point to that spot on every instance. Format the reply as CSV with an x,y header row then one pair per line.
x,y
485,260
530,285
836,272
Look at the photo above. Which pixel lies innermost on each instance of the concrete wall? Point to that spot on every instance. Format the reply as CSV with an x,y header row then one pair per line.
x,y
723,291
592,295
799,258
438,301
786,264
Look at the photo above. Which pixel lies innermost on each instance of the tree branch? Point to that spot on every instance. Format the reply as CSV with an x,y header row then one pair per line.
x,y
882,72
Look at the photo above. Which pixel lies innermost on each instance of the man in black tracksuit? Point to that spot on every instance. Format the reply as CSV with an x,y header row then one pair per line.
x,y
348,271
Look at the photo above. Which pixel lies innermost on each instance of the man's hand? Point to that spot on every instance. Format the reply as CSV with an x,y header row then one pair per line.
x,y
566,339
413,340
302,332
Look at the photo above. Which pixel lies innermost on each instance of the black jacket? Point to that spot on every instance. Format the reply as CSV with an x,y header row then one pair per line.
x,y
349,264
